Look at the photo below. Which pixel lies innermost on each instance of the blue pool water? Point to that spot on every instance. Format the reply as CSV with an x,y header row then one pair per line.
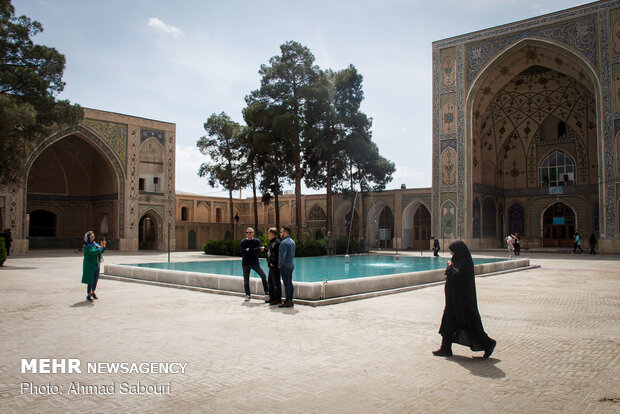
x,y
318,269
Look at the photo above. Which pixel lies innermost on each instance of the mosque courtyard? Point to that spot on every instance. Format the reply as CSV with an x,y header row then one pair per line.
x,y
557,329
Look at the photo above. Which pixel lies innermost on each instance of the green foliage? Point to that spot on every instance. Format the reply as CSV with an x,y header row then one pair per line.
x,y
223,146
2,251
222,247
309,247
30,77
306,247
341,246
231,247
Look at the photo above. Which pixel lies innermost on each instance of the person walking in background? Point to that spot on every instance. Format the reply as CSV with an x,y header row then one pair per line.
x,y
330,244
250,248
275,287
592,243
461,321
285,263
436,246
92,263
517,245
577,244
510,244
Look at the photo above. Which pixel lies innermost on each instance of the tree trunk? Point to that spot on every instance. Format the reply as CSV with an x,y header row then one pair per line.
x,y
232,219
362,214
298,194
277,208
255,199
328,198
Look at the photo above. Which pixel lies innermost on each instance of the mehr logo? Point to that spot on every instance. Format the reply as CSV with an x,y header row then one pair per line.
x,y
51,366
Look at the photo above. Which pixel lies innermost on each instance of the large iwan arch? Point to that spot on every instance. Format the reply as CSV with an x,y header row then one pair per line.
x,y
523,91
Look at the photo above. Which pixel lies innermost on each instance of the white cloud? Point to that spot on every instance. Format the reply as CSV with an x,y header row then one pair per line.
x,y
159,25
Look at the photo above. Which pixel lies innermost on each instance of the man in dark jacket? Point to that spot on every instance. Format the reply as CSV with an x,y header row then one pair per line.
x,y
250,248
275,287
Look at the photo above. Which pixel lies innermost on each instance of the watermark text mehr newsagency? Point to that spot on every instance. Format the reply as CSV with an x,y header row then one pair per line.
x,y
75,366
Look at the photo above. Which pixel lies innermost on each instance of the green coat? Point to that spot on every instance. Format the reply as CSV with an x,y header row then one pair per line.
x,y
91,262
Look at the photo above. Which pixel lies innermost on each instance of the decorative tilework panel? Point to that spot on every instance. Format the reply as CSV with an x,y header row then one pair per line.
x,y
146,133
579,35
448,219
114,134
448,167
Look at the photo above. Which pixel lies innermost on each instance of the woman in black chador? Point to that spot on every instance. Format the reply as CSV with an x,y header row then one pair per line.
x,y
461,320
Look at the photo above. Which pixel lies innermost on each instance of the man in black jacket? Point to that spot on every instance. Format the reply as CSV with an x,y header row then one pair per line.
x,y
250,248
275,287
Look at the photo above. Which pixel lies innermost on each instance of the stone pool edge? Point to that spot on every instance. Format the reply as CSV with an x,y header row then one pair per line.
x,y
308,293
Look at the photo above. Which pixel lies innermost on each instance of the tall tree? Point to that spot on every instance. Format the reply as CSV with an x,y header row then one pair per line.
x,y
335,114
367,168
268,152
286,83
246,138
223,146
30,78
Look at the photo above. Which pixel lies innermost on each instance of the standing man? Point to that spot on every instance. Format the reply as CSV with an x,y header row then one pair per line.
x,y
592,244
285,263
436,246
330,244
275,287
250,248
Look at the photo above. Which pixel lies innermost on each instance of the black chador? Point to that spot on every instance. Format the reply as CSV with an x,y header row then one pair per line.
x,y
461,321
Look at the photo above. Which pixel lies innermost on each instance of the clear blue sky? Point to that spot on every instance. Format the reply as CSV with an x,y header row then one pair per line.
x,y
181,61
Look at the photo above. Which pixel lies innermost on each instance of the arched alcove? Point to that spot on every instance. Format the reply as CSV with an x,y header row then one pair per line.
x,y
74,176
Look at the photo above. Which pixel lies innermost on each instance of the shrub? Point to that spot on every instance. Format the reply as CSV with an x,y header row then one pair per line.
x,y
230,247
341,246
309,247
222,247
2,251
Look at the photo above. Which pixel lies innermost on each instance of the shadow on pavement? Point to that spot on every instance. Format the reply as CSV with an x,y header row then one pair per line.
x,y
82,304
479,366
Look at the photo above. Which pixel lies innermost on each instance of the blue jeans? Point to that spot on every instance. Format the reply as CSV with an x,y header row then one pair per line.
x,y
93,286
246,278
287,279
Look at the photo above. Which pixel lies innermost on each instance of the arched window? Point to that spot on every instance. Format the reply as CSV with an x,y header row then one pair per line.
x,y
557,169
184,213
316,213
218,215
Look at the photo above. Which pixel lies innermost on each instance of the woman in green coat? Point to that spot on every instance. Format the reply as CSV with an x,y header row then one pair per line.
x,y
90,267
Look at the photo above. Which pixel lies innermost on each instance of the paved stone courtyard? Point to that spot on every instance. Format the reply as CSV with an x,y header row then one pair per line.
x,y
557,328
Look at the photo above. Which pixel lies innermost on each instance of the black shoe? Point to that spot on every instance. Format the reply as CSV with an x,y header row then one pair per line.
x,y
92,295
89,299
490,349
286,304
275,302
442,352
268,300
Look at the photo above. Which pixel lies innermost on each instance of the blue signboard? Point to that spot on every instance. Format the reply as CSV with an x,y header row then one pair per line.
x,y
558,221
